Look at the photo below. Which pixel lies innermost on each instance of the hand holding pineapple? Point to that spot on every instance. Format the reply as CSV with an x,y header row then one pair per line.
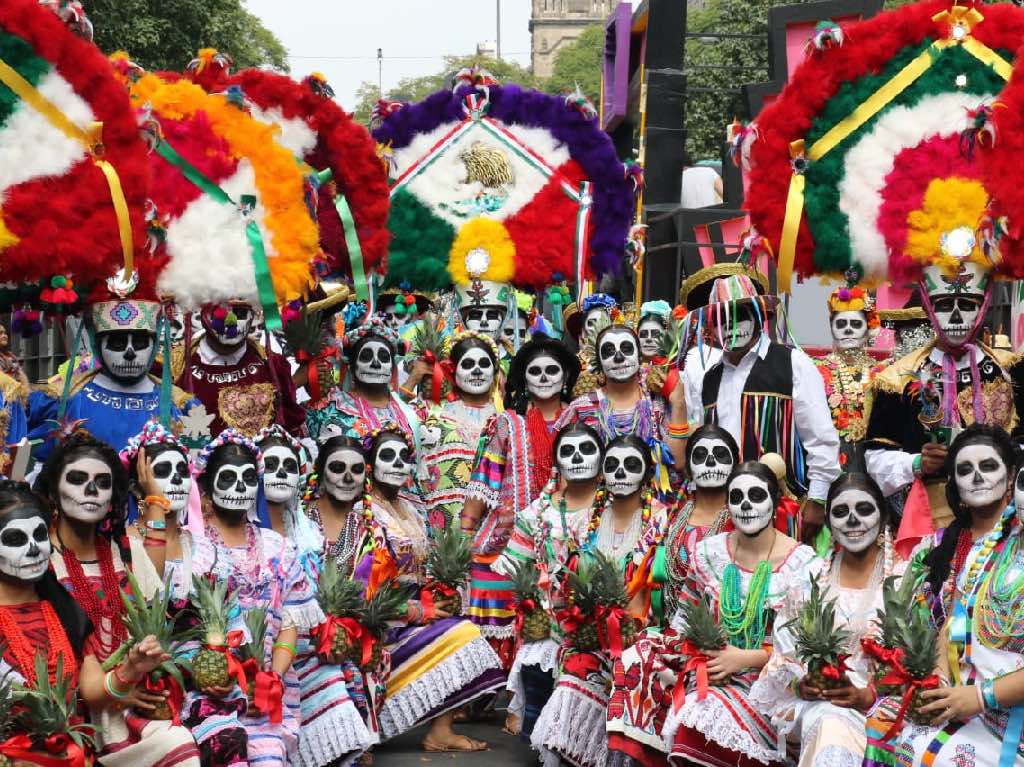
x,y
948,703
730,660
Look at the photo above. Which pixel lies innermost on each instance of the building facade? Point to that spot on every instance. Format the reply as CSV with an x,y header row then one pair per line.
x,y
556,23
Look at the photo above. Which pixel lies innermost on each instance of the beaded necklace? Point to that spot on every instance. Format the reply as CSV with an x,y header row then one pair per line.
x,y
639,423
24,653
540,440
344,548
849,372
632,539
98,604
543,540
745,620
1000,607
677,559
250,566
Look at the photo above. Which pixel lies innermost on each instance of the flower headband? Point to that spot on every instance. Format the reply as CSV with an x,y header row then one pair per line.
x,y
373,325
853,299
153,433
599,301
276,431
228,437
389,427
455,338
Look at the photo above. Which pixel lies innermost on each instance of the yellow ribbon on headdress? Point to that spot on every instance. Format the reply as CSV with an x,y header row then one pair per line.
x,y
961,20
91,139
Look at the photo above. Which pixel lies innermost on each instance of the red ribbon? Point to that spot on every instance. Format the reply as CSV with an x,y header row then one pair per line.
x,y
355,631
837,671
235,668
175,695
892,656
581,664
524,608
570,619
671,381
697,662
21,748
609,628
429,597
928,683
268,695
437,376
312,369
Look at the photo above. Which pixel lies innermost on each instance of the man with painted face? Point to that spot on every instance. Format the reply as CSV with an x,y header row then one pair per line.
x,y
654,319
923,399
848,368
769,396
247,387
484,306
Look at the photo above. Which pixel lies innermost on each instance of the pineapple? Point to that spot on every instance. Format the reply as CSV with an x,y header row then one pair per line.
x,y
897,604
536,624
152,618
340,597
306,334
6,713
920,644
254,650
597,583
448,566
213,603
427,339
818,642
702,628
50,709
386,605
668,350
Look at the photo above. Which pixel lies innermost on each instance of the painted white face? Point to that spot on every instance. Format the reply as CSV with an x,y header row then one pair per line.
x,y
24,544
344,474
855,519
620,358
233,335
544,377
170,469
484,319
849,330
624,470
394,463
280,474
710,463
957,316
579,458
1018,495
595,318
741,330
750,504
392,319
235,485
85,489
981,475
516,327
177,322
475,372
126,355
649,333
374,364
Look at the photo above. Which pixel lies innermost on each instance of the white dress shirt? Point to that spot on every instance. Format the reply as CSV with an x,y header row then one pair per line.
x,y
810,409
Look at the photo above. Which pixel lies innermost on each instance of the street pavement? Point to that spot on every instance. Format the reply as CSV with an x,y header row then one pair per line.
x,y
405,751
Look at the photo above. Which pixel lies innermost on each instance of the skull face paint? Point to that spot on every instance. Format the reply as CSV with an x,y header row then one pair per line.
x,y
177,322
981,475
618,353
344,474
374,363
711,463
281,474
126,355
484,319
394,462
474,373
957,316
595,319
649,333
86,489
855,519
849,330
578,458
235,485
624,469
24,544
514,328
740,331
170,469
750,504
392,318
544,377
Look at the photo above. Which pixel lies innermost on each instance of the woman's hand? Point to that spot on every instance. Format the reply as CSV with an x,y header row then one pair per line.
x,y
948,703
144,700
808,691
726,662
218,692
420,370
147,481
144,657
858,698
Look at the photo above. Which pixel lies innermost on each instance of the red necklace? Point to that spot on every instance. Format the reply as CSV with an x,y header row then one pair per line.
x,y
25,653
540,441
110,605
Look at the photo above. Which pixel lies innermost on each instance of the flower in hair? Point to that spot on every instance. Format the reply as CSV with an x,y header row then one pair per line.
x,y
228,437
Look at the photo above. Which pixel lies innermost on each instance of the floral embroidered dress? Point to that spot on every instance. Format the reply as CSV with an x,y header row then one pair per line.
x,y
827,734
435,667
124,738
725,729
264,573
847,375
640,700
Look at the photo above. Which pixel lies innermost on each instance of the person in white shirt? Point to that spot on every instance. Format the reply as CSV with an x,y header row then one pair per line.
x,y
701,186
770,397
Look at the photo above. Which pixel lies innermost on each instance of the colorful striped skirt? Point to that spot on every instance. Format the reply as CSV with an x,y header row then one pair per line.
x,y
133,741
434,669
492,607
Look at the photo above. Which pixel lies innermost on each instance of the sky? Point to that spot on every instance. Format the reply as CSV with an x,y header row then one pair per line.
x,y
339,38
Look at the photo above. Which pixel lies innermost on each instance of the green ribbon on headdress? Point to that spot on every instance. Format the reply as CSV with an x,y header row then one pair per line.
x,y
355,250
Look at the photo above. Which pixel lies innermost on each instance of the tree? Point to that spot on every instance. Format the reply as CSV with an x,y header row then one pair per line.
x,y
411,89
166,34
580,63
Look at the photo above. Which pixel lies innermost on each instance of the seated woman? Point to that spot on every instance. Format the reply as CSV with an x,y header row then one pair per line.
x,y
630,524
439,662
264,571
641,699
83,479
972,589
745,575
828,725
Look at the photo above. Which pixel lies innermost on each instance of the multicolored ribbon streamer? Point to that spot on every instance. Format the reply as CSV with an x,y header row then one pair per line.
x,y
583,236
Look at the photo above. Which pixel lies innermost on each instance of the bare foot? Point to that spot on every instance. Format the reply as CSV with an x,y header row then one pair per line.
x,y
512,725
454,742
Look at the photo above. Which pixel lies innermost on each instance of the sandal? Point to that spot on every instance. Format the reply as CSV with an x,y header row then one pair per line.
x,y
474,746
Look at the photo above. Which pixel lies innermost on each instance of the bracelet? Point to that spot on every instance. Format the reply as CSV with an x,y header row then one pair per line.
x,y
285,646
917,465
153,543
121,680
158,500
981,697
407,392
156,524
110,688
988,694
678,431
